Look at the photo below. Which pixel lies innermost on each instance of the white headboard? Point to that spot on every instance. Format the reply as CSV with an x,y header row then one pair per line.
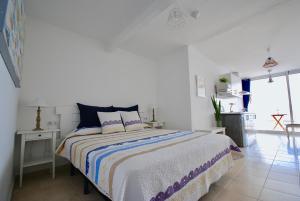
x,y
69,118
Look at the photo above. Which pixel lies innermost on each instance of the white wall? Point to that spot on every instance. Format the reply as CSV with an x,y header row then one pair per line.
x,y
64,68
8,109
201,108
173,91
178,104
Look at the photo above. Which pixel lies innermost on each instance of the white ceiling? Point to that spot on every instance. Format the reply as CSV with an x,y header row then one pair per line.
x,y
244,47
232,33
99,19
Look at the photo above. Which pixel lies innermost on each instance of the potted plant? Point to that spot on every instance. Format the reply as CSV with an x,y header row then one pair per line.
x,y
217,107
223,80
223,84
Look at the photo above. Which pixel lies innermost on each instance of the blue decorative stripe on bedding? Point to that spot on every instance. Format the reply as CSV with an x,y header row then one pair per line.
x,y
120,143
144,142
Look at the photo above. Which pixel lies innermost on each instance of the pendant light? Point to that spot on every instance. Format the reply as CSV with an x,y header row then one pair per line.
x,y
270,76
269,64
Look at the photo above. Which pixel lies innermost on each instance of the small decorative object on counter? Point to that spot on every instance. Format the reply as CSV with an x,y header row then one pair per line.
x,y
217,107
231,105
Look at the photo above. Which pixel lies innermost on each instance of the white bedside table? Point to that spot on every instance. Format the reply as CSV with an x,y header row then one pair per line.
x,y
26,136
214,130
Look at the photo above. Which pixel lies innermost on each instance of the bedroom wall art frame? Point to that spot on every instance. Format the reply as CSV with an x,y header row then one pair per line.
x,y
200,86
12,37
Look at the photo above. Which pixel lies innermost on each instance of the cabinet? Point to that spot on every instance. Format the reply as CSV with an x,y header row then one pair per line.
x,y
232,88
239,127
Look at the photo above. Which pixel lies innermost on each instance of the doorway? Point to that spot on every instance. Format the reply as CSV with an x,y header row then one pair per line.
x,y
275,103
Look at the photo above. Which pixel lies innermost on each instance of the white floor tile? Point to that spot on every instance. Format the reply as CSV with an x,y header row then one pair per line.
x,y
232,195
285,170
271,195
283,187
243,177
284,178
286,164
245,188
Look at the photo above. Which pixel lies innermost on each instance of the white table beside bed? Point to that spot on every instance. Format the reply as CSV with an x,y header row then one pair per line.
x,y
41,135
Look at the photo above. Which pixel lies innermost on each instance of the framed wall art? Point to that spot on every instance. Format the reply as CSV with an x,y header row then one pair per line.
x,y
12,37
200,86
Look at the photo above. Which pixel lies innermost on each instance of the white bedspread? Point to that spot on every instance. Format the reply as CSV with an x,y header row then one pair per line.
x,y
152,164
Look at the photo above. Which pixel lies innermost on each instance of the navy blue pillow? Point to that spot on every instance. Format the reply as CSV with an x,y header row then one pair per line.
x,y
89,117
128,109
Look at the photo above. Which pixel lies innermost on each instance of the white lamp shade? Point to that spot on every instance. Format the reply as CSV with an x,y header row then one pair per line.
x,y
38,102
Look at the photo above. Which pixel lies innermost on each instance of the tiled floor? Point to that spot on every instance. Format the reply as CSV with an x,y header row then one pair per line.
x,y
268,172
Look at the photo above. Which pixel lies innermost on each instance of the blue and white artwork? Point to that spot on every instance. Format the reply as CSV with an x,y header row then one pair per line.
x,y
12,37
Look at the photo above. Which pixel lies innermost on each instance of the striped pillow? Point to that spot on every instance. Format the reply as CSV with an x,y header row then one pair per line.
x,y
111,122
132,121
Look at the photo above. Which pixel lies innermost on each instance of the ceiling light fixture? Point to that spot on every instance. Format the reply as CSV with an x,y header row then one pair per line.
x,y
269,64
178,15
176,18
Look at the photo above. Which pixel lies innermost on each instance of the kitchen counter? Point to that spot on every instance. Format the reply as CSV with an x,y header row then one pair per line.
x,y
237,113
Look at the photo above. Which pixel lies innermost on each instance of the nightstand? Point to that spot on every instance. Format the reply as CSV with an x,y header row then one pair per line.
x,y
214,130
155,124
27,136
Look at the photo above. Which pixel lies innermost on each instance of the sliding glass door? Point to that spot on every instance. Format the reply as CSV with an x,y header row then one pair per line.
x,y
270,103
295,96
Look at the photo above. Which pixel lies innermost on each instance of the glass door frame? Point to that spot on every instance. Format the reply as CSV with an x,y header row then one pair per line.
x,y
286,74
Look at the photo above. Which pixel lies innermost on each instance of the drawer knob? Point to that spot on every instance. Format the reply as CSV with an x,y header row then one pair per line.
x,y
40,135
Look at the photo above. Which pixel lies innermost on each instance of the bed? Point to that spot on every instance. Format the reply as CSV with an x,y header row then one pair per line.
x,y
150,164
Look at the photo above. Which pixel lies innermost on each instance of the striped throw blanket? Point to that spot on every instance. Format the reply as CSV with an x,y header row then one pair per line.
x,y
152,164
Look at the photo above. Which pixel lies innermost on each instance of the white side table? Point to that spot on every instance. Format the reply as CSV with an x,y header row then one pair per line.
x,y
214,130
27,136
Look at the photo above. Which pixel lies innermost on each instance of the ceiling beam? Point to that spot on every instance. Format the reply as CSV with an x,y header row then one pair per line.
x,y
156,8
242,21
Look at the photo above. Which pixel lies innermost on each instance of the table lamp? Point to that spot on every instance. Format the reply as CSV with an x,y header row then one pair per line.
x,y
153,108
39,103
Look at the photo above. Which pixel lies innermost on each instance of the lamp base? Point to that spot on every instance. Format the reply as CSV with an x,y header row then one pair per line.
x,y
38,120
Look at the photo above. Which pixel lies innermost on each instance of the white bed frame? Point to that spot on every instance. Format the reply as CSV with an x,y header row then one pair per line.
x,y
68,118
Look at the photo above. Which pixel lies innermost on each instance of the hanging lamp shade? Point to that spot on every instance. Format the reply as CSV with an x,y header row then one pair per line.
x,y
270,62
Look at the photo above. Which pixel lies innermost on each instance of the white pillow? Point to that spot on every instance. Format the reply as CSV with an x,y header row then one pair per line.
x,y
110,122
86,131
132,121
